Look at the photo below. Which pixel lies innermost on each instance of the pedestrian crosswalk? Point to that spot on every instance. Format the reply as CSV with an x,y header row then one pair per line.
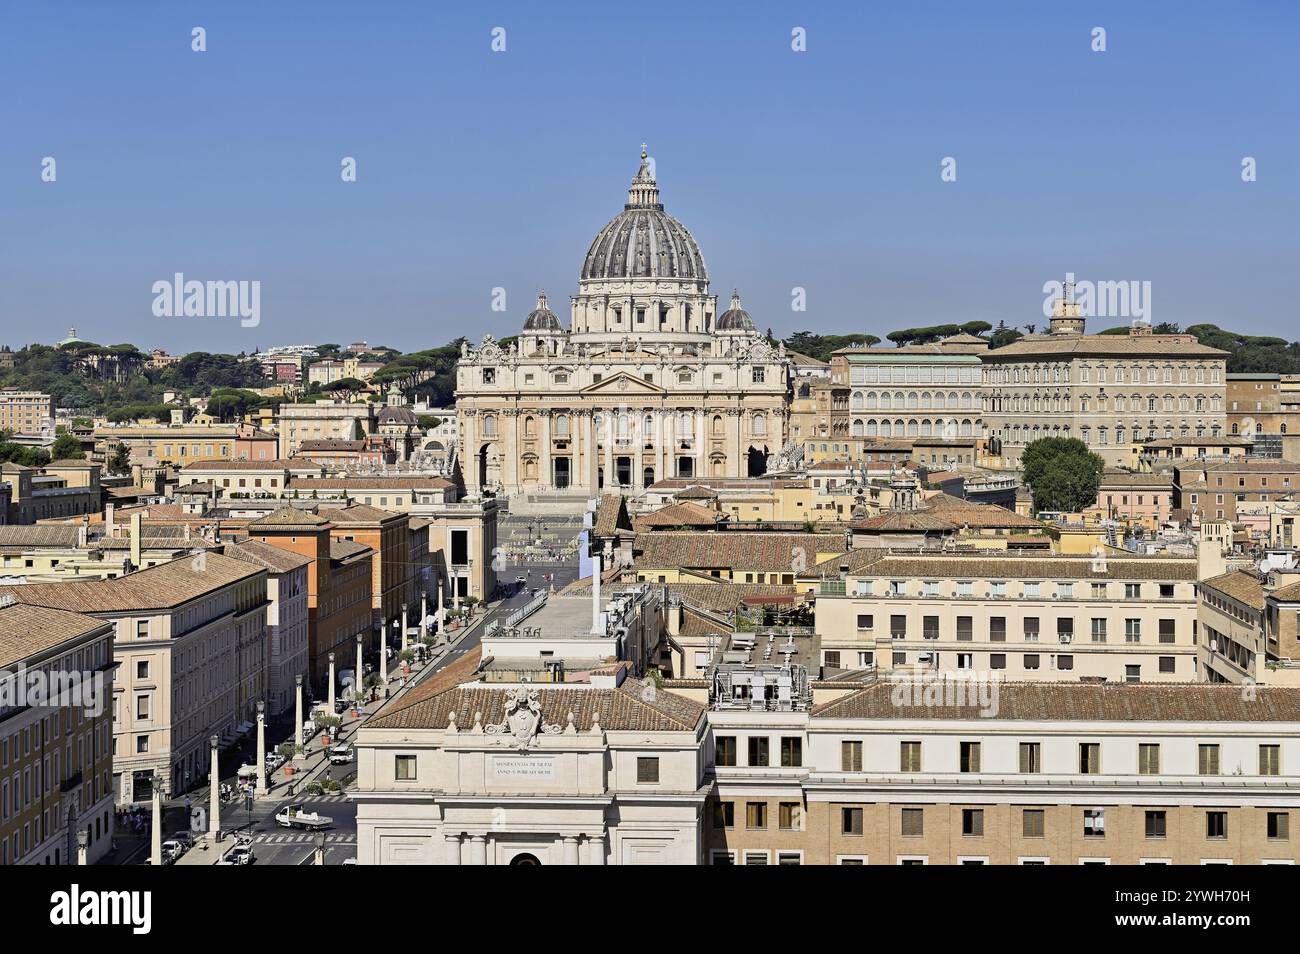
x,y
301,838
313,799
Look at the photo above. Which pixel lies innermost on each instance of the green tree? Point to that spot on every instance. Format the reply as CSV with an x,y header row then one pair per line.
x,y
119,462
66,447
1062,474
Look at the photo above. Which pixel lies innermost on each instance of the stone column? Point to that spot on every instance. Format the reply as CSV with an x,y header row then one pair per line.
x,y
569,849
261,749
214,792
404,627
155,836
544,476
297,715
383,656
331,684
596,849
478,849
453,849
437,615
358,676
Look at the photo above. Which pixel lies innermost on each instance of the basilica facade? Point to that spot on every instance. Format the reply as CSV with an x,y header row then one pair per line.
x,y
648,381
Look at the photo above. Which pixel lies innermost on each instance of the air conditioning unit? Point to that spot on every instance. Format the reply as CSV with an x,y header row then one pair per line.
x,y
1067,637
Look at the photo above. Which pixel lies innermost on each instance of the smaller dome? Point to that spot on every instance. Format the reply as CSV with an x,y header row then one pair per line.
x,y
734,318
542,318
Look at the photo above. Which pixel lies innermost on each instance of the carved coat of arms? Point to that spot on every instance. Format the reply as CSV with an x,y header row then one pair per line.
x,y
523,719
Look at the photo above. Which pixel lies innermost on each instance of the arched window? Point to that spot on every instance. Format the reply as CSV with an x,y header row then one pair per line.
x,y
562,426
759,425
872,400
717,425
859,429
490,426
530,426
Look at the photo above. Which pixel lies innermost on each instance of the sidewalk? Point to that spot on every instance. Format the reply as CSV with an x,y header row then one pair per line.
x,y
316,761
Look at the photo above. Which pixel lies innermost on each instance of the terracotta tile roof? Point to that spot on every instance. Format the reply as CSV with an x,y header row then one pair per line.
x,y
307,484
288,517
696,492
944,512
681,514
625,709
157,588
1152,346
734,550
347,549
1240,585
329,444
219,465
1124,478
38,535
905,521
1085,702
1287,594
1004,566
28,630
263,554
360,514
724,597
611,515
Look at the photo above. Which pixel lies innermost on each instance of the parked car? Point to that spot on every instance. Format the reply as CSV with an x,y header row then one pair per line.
x,y
240,854
171,851
341,754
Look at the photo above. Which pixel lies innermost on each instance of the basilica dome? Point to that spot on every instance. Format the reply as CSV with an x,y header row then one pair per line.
x,y
735,318
644,241
542,318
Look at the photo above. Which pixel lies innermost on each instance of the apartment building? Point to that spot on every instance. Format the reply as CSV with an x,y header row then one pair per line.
x,y
47,553
324,420
1248,626
1043,774
339,579
1140,499
151,445
56,761
249,478
1216,490
26,412
387,535
1026,618
59,489
926,390
190,649
1110,391
287,650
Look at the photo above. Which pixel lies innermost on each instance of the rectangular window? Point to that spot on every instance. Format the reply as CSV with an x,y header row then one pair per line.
x,y
1031,757
1216,824
1089,758
790,816
898,627
913,822
647,769
724,750
1148,758
1031,661
1098,630
1207,759
1166,631
756,815
758,750
1155,824
724,815
1033,823
1031,629
964,628
1279,825
404,768
1270,760
972,822
850,821
998,629
1094,823
909,756
930,627
1132,630
970,757
791,751
850,756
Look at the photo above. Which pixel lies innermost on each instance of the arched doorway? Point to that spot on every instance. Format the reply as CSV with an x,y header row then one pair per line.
x,y
524,858
757,463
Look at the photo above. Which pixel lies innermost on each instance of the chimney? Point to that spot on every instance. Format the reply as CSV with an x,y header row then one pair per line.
x,y
110,529
596,628
83,533
137,531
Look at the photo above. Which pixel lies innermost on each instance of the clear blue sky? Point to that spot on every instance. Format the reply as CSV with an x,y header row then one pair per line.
x,y
480,169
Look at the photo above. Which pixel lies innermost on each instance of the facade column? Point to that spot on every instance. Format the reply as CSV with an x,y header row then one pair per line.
x,y
468,451
214,792
701,430
611,434
404,626
596,849
478,849
383,656
453,849
569,849
544,475
261,748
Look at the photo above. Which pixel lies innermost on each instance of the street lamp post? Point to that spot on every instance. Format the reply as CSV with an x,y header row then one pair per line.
x,y
214,792
261,747
320,848
383,654
403,627
83,846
